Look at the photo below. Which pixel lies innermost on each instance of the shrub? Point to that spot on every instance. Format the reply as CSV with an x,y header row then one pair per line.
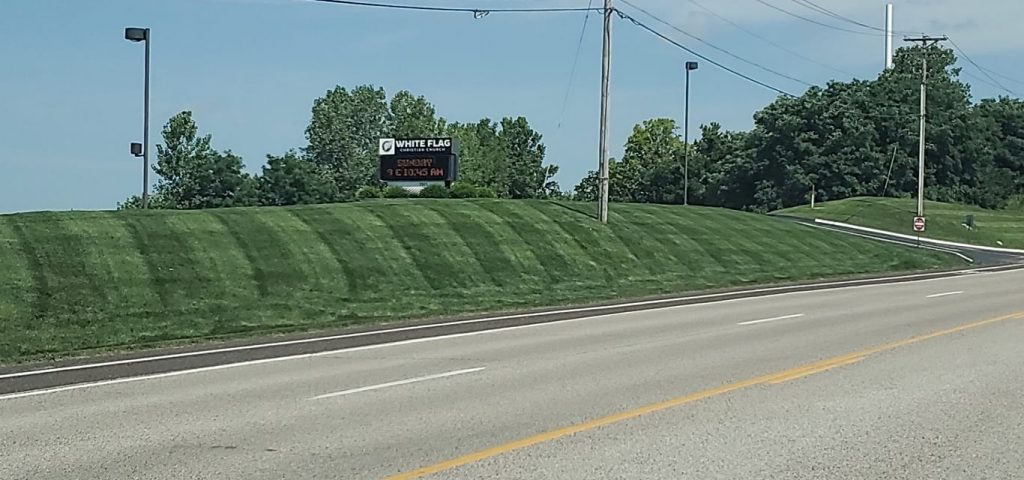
x,y
368,192
394,191
463,190
434,191
484,192
1016,203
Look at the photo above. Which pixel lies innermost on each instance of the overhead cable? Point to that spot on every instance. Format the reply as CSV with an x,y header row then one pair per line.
x,y
769,41
712,46
477,12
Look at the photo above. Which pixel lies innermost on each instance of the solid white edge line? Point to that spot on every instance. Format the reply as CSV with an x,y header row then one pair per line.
x,y
397,383
773,319
947,294
836,285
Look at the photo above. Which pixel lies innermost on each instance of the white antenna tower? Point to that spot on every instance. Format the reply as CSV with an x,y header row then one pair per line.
x,y
888,36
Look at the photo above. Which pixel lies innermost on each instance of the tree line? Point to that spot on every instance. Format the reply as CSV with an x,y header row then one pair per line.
x,y
843,139
498,158
856,138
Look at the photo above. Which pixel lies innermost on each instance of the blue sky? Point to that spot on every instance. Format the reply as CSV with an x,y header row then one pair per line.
x,y
71,86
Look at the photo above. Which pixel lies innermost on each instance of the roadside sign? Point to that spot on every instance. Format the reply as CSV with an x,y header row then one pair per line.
x,y
418,159
919,224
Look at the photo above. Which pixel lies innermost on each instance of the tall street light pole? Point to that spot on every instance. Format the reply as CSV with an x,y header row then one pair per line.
x,y
143,35
925,42
606,52
686,136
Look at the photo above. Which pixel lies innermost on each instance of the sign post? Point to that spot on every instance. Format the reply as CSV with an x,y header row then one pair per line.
x,y
419,160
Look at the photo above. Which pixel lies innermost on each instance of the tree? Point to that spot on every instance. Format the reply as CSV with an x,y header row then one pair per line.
x,y
412,116
290,180
551,188
589,187
343,133
651,164
482,154
524,158
192,174
997,141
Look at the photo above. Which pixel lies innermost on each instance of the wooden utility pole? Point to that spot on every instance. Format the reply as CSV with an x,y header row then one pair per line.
x,y
606,61
925,42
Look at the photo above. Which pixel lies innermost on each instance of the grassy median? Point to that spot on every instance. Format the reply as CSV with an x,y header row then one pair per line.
x,y
946,221
77,281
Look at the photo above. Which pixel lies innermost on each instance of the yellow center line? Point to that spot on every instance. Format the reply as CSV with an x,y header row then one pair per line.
x,y
770,379
817,368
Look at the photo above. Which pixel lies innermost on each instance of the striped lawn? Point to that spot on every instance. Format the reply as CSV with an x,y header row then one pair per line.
x,y
80,281
945,220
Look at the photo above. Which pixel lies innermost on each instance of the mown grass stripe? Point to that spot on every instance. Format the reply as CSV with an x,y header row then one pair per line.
x,y
645,242
508,239
222,273
485,246
271,265
735,232
376,265
681,229
112,258
683,257
358,270
441,257
699,232
18,289
563,261
64,286
167,256
313,267
592,238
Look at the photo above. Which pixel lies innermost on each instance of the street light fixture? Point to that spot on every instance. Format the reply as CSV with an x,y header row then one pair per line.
x,y
134,34
686,136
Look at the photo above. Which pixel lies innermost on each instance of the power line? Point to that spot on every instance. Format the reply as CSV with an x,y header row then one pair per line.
x,y
979,79
1004,77
846,19
575,62
722,50
848,108
811,20
829,13
982,70
820,9
769,41
664,37
477,12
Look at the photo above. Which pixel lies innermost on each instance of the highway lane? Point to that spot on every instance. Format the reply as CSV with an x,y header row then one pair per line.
x,y
427,402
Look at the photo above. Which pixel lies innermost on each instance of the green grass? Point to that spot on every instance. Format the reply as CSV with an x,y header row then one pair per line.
x,y
992,228
82,281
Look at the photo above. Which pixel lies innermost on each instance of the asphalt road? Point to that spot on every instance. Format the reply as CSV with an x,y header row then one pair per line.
x,y
909,380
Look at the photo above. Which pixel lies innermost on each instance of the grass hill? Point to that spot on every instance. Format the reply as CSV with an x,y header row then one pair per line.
x,y
992,228
74,281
